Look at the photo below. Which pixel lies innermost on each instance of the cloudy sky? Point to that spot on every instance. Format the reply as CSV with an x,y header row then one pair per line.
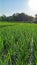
x,y
8,7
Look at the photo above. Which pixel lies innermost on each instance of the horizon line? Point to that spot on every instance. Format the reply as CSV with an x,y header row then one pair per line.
x,y
16,13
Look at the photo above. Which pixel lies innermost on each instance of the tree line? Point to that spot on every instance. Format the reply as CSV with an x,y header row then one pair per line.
x,y
22,17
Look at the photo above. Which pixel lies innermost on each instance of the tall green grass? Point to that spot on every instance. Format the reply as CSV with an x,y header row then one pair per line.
x,y
15,43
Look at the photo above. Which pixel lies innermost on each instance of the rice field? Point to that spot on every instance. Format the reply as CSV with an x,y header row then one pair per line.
x,y
16,43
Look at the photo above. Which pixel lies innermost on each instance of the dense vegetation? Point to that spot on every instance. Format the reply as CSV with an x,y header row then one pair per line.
x,y
15,39
22,17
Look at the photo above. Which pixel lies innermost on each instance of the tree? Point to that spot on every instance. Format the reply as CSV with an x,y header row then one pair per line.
x,y
22,17
36,18
3,18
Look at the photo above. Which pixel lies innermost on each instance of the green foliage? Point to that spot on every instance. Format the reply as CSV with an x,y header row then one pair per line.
x,y
15,43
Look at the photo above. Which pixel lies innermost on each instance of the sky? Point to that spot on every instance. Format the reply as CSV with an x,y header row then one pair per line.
x,y
9,7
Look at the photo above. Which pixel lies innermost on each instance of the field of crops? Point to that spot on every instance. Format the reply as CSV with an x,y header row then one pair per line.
x,y
16,44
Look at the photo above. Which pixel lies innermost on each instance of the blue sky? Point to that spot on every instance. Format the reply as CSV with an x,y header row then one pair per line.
x,y
8,7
